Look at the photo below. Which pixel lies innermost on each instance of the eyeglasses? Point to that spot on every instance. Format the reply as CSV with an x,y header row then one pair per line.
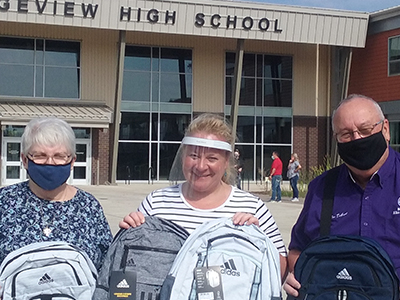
x,y
58,159
346,136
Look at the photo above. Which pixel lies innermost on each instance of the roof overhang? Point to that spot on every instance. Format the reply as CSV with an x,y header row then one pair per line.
x,y
79,114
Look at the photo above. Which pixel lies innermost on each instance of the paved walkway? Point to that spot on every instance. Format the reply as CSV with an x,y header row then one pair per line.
x,y
119,200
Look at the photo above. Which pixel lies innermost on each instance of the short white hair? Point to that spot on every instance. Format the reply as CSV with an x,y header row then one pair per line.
x,y
49,131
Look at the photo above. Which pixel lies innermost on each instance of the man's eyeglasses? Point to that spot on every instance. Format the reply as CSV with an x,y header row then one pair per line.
x,y
58,159
343,137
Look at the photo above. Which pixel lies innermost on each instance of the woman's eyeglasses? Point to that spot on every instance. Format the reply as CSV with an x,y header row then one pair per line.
x,y
58,159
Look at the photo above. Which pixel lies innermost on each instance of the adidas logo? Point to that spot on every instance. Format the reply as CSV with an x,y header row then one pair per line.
x,y
123,284
344,274
229,268
45,279
130,262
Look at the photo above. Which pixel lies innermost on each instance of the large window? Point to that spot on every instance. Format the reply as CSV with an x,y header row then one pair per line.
x,y
157,75
266,80
156,109
394,56
39,68
395,135
148,144
265,110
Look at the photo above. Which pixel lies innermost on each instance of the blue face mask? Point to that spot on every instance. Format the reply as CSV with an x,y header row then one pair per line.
x,y
48,177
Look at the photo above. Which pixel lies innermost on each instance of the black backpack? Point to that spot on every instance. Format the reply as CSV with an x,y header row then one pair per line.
x,y
344,267
139,260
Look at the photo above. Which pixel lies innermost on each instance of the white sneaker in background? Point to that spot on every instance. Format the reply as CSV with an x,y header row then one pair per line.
x,y
295,199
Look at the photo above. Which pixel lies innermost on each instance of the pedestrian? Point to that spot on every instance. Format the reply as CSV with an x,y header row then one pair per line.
x,y
45,207
276,177
367,193
293,175
206,160
238,168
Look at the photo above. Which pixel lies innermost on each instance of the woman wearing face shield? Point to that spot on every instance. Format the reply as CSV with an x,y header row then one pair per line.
x,y
205,164
46,208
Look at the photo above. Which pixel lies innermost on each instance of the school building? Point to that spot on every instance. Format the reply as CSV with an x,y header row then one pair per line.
x,y
130,75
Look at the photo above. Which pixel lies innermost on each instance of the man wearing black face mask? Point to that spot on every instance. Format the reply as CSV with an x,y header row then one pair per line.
x,y
367,194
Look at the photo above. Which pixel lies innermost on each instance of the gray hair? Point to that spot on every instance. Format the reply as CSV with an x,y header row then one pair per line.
x,y
355,96
49,131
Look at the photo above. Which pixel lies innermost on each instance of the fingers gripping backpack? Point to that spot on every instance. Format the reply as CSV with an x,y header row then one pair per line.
x,y
139,259
46,271
221,260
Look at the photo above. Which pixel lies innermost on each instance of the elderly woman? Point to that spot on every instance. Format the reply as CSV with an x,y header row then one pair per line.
x,y
46,208
206,161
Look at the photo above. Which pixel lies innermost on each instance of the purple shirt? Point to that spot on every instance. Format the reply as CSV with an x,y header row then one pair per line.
x,y
373,212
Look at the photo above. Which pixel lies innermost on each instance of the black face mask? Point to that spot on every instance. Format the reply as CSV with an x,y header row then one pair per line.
x,y
363,153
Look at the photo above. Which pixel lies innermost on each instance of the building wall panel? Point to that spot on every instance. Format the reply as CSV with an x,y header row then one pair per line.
x,y
98,80
375,84
108,16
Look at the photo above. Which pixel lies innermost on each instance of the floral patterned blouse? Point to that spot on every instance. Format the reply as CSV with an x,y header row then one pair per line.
x,y
26,219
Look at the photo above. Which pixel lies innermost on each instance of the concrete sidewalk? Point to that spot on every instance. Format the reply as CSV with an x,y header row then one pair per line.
x,y
119,200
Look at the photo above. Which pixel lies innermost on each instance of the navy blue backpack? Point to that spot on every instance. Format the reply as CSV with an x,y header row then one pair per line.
x,y
344,267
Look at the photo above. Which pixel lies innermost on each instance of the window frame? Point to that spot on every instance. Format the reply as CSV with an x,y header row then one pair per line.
x,y
39,65
394,61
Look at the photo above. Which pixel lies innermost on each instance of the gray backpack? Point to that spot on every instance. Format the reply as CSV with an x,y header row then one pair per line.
x,y
139,260
46,271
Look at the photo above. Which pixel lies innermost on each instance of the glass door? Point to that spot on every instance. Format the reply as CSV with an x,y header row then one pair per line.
x,y
81,173
12,170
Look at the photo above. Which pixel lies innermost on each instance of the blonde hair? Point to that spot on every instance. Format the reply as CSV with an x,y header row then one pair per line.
x,y
215,124
295,156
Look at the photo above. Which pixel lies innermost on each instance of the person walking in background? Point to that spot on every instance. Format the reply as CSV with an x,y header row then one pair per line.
x,y
276,177
238,168
293,175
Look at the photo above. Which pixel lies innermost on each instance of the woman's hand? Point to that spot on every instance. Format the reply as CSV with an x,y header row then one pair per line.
x,y
241,218
291,285
134,219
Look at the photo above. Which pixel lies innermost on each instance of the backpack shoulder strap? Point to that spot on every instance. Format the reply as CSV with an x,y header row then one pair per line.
x,y
327,201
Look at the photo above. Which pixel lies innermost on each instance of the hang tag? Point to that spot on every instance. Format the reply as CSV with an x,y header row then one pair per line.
x,y
123,285
209,283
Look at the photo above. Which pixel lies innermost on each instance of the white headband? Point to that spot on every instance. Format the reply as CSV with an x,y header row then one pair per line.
x,y
195,141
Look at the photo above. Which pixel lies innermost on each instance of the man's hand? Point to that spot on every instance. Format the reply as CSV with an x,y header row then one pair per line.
x,y
291,285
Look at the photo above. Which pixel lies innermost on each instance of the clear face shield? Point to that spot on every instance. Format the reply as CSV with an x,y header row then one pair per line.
x,y
203,159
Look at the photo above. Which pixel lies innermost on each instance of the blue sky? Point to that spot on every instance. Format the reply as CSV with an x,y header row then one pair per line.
x,y
357,5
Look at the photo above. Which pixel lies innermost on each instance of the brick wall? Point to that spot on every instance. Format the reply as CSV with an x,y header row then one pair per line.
x,y
101,156
309,140
369,69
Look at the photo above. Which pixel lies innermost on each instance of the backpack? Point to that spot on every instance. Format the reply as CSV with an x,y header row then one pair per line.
x,y
139,259
221,260
344,267
47,270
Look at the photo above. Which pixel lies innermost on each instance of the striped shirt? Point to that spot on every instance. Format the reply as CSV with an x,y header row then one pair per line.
x,y
169,203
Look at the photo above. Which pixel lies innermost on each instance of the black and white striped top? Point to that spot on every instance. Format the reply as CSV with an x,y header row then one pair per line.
x,y
169,203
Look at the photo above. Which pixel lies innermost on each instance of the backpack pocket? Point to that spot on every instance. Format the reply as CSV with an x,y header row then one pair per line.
x,y
149,259
38,280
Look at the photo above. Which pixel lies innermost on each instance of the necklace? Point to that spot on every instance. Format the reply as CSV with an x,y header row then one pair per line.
x,y
46,229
